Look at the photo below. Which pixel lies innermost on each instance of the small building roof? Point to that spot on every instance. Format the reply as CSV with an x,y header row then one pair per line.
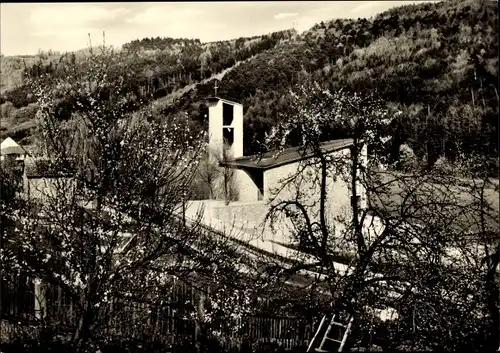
x,y
9,146
290,155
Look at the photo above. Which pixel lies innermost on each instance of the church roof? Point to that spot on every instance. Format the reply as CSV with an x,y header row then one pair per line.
x,y
290,155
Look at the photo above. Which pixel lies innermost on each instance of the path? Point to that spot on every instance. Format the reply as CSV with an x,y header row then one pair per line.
x,y
170,98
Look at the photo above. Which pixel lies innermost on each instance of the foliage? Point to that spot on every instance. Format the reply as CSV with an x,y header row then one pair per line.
x,y
407,159
10,180
161,66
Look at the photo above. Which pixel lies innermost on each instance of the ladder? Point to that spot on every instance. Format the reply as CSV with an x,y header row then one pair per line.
x,y
335,335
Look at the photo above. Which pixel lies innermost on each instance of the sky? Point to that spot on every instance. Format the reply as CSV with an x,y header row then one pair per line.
x,y
27,28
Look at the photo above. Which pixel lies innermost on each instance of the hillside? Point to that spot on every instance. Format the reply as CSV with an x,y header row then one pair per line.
x,y
444,78
435,62
156,67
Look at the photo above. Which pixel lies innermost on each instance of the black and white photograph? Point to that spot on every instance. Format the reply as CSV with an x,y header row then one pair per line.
x,y
249,177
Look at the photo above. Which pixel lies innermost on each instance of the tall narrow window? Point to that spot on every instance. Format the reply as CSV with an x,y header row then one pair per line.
x,y
227,114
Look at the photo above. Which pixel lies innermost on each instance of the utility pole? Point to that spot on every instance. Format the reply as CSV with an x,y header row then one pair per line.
x,y
296,25
90,44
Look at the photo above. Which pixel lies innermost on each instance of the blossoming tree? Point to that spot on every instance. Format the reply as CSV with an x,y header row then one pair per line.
x,y
109,222
418,246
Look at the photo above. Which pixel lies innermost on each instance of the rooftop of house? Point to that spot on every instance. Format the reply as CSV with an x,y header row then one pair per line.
x,y
9,146
17,150
290,155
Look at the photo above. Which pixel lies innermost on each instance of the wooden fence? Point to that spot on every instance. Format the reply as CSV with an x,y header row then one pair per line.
x,y
131,320
17,299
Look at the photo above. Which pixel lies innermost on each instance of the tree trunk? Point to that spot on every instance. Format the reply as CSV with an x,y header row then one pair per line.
x,y
322,214
82,334
493,297
355,207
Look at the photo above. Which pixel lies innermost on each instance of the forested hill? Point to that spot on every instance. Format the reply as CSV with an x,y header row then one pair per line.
x,y
154,67
436,62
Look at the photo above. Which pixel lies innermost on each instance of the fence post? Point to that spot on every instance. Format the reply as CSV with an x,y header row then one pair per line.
x,y
198,300
40,300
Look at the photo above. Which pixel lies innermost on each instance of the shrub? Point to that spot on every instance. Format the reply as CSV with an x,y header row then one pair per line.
x,y
407,158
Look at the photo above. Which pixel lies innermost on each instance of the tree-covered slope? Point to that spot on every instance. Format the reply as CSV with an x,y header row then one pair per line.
x,y
435,62
155,67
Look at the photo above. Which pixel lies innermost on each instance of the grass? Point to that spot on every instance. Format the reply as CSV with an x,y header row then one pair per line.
x,y
461,192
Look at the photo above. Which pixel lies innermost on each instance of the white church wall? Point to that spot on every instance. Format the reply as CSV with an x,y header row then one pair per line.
x,y
338,191
215,128
247,190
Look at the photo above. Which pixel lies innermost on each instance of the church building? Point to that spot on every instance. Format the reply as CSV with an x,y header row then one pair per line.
x,y
263,181
257,178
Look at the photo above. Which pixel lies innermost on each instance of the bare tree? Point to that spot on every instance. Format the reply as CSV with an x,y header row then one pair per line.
x,y
207,176
219,180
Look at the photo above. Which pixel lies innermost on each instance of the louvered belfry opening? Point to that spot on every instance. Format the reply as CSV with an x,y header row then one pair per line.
x,y
228,135
227,121
227,114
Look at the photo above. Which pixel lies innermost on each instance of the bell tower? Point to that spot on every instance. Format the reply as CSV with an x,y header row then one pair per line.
x,y
225,127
